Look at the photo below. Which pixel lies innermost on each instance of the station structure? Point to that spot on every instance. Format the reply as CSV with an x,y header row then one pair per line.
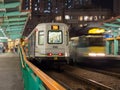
x,y
12,24
112,35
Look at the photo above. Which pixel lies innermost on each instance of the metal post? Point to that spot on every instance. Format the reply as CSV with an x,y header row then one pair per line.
x,y
115,43
107,47
115,47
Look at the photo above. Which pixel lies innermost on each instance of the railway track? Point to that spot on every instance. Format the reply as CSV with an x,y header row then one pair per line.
x,y
77,82
115,72
110,73
89,83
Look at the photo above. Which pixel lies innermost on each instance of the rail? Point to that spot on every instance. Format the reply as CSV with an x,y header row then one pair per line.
x,y
34,78
89,83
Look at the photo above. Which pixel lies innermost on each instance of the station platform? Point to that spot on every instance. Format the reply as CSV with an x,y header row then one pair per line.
x,y
10,73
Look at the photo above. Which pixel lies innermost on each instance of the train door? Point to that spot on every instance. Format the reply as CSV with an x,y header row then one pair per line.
x,y
41,44
31,45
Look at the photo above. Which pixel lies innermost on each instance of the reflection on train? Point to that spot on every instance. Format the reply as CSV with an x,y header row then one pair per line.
x,y
91,45
49,41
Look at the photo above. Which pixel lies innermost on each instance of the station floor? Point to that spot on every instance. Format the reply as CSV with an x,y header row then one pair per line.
x,y
10,73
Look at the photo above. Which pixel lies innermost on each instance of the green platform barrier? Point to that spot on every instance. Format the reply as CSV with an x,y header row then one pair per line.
x,y
30,79
34,78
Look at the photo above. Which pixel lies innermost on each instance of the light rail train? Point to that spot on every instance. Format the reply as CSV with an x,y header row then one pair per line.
x,y
87,46
49,41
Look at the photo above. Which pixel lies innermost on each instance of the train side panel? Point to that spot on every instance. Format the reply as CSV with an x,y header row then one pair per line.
x,y
31,45
40,41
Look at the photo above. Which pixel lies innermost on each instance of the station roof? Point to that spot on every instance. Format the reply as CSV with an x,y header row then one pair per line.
x,y
12,19
112,24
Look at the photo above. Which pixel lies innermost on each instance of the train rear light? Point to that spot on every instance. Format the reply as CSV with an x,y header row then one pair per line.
x,y
50,54
60,54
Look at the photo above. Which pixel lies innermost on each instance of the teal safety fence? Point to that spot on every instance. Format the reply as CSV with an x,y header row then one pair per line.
x,y
31,80
34,78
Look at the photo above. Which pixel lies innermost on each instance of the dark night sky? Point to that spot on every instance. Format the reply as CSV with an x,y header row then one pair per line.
x,y
103,3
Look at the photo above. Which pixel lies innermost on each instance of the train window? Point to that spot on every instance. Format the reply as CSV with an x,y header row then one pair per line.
x,y
41,38
96,41
92,40
55,37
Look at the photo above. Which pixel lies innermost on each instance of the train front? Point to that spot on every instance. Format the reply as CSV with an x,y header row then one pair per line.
x,y
56,38
58,42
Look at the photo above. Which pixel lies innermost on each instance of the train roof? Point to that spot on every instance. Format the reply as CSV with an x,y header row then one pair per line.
x,y
44,25
51,24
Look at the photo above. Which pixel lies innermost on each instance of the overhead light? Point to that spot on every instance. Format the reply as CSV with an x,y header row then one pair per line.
x,y
3,37
118,28
67,17
2,9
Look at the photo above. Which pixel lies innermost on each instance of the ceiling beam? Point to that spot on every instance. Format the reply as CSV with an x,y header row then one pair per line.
x,y
118,20
14,13
15,23
15,19
9,5
12,33
15,36
16,29
111,25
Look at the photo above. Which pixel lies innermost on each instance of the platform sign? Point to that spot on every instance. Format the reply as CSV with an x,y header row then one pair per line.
x,y
96,31
107,36
55,27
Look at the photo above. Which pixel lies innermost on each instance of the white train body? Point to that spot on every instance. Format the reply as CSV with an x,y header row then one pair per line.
x,y
49,41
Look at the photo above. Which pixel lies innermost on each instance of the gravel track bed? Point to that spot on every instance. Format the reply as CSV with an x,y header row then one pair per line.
x,y
101,78
68,81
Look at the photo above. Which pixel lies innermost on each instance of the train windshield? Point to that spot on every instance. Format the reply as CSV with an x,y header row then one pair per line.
x,y
55,37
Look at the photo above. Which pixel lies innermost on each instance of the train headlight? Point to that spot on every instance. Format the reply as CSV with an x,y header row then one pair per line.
x,y
96,54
